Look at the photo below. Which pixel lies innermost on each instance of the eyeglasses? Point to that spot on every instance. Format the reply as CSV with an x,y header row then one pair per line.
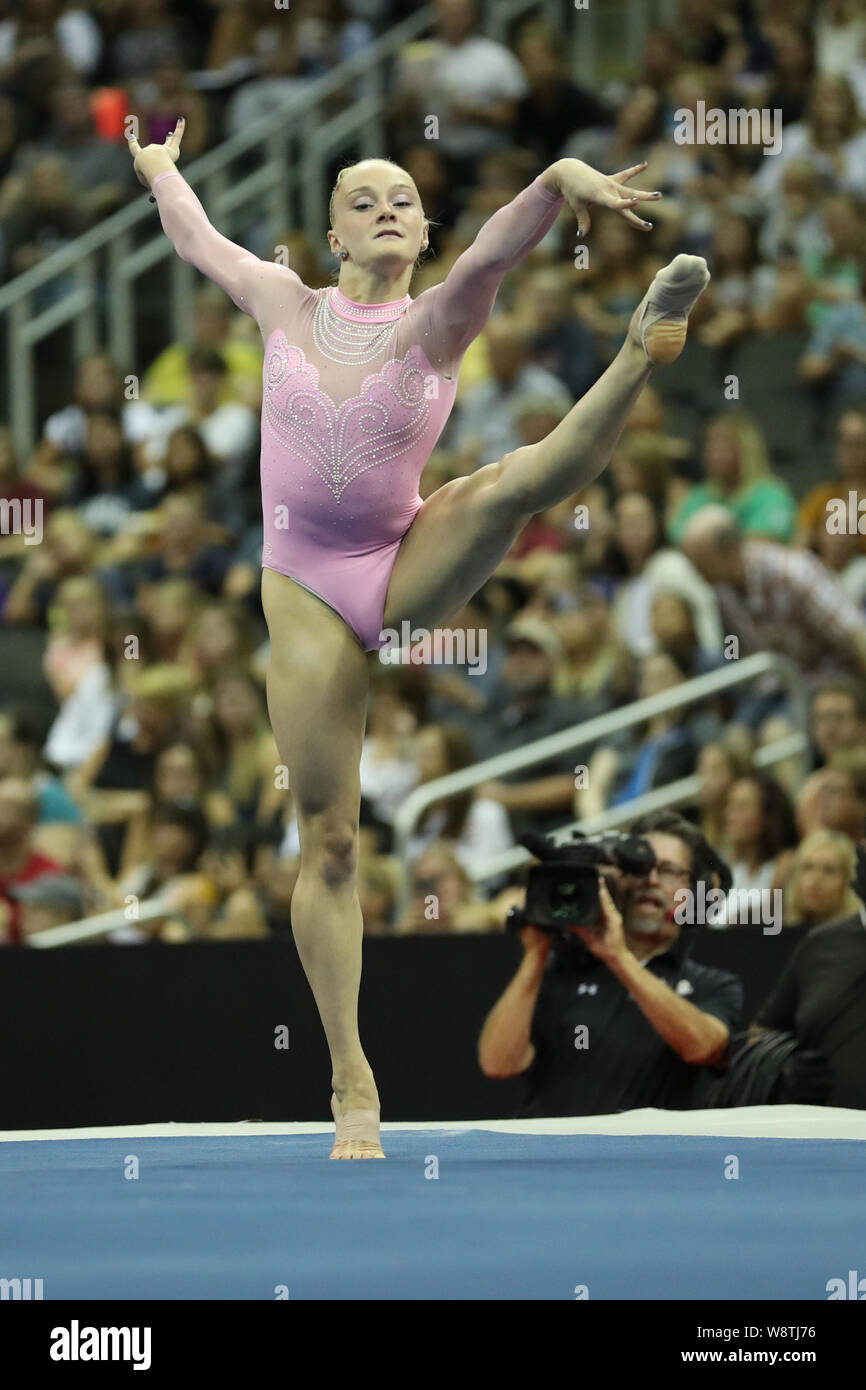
x,y
672,872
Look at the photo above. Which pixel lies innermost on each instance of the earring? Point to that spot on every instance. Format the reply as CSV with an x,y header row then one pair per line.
x,y
344,255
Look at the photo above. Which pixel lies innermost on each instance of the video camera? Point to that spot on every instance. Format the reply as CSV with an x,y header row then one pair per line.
x,y
562,891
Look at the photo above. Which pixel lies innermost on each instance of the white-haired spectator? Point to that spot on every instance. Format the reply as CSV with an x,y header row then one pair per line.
x,y
775,598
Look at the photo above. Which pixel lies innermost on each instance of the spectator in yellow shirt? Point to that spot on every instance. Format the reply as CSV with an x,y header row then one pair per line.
x,y
167,380
851,461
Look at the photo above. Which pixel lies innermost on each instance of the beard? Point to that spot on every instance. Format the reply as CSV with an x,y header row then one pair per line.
x,y
645,921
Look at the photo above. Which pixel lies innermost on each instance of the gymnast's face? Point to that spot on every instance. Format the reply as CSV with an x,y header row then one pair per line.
x,y
378,216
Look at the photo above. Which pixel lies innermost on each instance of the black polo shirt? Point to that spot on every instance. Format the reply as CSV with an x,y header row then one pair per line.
x,y
821,998
622,1062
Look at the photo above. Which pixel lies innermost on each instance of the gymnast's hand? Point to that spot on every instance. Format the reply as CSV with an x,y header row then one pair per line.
x,y
155,159
580,185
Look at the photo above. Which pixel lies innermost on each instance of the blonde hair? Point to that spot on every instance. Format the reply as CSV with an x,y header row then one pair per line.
x,y
754,458
348,169
846,853
379,873
165,681
67,591
68,519
444,850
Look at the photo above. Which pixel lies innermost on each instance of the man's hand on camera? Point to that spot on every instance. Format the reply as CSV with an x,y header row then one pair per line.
x,y
606,939
535,941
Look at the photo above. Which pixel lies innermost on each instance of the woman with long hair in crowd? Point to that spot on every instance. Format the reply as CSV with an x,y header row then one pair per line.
x,y
245,746
719,766
660,750
181,776
760,832
444,899
738,475
77,667
476,827
641,565
359,380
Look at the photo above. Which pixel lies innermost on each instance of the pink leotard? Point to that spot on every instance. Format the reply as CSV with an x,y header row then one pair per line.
x,y
354,396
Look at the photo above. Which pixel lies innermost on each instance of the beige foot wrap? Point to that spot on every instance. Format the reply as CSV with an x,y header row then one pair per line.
x,y
664,314
357,1133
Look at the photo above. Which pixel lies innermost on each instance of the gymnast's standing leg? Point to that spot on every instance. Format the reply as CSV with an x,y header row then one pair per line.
x,y
317,699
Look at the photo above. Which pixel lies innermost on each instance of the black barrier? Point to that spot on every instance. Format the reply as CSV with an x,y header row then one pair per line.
x,y
116,1035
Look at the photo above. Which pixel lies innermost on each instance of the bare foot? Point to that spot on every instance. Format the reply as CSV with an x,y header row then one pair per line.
x,y
357,1133
661,320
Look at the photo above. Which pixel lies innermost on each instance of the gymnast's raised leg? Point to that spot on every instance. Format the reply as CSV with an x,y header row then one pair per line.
x,y
465,528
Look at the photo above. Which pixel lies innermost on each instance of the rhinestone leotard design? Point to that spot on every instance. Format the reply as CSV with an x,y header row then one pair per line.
x,y
340,443
354,396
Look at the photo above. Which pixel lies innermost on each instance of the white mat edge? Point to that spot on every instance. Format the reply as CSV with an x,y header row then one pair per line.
x,y
761,1121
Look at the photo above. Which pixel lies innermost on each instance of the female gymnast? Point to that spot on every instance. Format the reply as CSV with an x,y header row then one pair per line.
x,y
358,382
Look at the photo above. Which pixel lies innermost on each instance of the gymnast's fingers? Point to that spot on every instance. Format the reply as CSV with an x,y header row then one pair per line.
x,y
635,221
172,140
625,174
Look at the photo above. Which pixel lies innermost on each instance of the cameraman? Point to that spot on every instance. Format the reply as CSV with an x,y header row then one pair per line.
x,y
621,1018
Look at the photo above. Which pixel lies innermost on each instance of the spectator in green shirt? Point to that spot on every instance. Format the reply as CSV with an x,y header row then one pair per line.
x,y
836,270
738,476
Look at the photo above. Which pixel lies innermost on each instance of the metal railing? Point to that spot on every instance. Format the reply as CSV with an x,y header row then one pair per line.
x,y
553,745
680,793
674,794
91,928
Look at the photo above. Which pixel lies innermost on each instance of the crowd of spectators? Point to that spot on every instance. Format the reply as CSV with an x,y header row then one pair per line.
x,y
71,74
707,538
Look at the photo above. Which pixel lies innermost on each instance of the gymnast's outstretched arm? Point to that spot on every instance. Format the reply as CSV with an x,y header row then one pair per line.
x,y
459,308
249,281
